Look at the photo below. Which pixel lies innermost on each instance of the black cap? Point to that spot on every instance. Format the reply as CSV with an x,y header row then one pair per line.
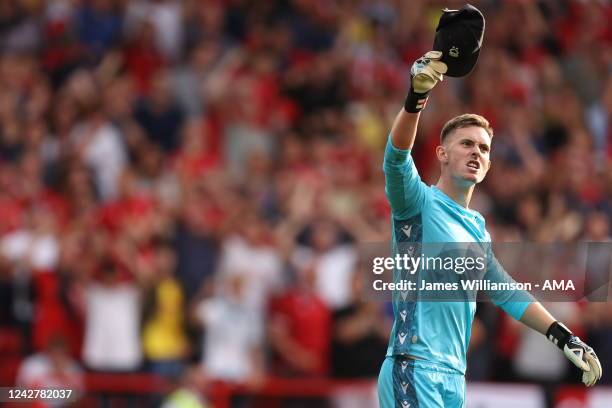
x,y
459,38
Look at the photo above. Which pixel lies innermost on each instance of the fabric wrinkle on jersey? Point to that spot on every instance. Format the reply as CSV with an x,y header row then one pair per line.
x,y
436,331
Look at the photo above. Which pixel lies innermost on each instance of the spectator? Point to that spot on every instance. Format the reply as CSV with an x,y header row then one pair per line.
x,y
21,30
359,328
112,322
188,394
233,337
159,115
98,143
98,25
165,17
143,58
333,262
197,245
52,368
251,255
300,329
165,342
189,79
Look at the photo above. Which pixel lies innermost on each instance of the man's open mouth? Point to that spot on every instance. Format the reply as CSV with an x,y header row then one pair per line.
x,y
473,164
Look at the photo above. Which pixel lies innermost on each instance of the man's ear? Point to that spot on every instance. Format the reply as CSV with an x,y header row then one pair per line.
x,y
441,154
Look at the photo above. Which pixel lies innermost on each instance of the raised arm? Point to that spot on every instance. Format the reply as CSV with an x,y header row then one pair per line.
x,y
425,73
404,129
403,186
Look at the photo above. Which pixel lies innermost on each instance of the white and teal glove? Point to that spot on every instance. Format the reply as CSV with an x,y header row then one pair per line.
x,y
577,352
425,73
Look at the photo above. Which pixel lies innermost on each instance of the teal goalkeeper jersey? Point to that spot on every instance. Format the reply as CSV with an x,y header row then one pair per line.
x,y
437,331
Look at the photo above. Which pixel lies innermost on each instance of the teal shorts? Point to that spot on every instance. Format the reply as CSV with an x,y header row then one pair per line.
x,y
408,383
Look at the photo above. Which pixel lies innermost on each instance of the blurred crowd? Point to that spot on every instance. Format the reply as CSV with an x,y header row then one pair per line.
x,y
187,181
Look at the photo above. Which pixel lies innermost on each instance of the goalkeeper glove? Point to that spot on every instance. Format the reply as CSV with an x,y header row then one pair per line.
x,y
424,75
577,352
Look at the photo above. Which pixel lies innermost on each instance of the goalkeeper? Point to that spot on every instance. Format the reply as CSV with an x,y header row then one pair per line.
x,y
426,357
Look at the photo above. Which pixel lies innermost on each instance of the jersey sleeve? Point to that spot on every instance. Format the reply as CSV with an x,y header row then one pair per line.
x,y
403,185
513,302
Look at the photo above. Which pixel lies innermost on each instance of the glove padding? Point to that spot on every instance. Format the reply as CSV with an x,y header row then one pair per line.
x,y
584,358
577,352
425,73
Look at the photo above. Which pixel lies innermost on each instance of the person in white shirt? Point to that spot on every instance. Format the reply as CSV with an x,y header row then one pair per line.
x,y
112,328
233,333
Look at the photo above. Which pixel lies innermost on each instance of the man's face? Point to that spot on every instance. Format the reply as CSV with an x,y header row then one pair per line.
x,y
464,155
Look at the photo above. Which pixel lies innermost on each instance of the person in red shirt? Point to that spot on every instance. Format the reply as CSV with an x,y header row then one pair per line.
x,y
300,329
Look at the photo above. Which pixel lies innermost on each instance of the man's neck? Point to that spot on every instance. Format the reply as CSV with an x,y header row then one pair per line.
x,y
459,194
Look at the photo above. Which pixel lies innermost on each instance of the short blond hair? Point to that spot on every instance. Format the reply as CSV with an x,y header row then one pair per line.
x,y
463,121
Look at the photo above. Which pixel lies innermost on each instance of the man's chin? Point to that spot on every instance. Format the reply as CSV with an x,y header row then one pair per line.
x,y
468,180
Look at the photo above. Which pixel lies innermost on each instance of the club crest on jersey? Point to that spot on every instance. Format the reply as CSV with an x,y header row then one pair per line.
x,y
454,52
